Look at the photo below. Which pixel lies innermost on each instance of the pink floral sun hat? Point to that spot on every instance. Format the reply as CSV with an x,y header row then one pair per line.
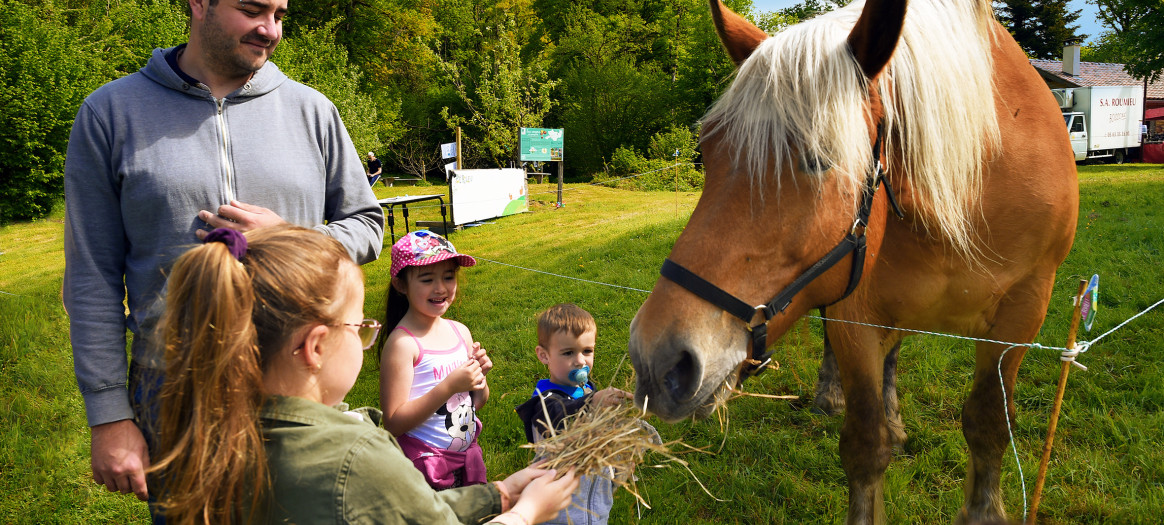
x,y
421,248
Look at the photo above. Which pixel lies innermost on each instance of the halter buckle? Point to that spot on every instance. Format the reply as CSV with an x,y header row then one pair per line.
x,y
857,223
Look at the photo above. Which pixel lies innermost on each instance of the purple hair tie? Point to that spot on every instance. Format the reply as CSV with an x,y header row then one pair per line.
x,y
234,240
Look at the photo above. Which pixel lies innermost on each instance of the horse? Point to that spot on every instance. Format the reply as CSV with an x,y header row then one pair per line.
x,y
906,169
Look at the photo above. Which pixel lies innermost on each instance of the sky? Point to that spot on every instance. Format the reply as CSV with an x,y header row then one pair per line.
x,y
1087,22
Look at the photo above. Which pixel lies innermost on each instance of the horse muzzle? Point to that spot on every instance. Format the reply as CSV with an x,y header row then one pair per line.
x,y
684,374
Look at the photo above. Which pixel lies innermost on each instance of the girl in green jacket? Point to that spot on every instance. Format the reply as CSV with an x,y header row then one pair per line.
x,y
263,337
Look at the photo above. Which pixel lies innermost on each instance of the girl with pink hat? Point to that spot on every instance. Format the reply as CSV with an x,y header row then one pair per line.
x,y
432,374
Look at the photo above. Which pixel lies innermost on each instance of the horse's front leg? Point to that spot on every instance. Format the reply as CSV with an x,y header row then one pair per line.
x,y
984,421
985,427
865,444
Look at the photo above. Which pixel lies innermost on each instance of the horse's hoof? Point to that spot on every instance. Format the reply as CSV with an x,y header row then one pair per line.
x,y
823,407
963,518
897,438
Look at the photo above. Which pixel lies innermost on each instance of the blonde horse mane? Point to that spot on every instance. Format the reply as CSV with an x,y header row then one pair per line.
x,y
801,92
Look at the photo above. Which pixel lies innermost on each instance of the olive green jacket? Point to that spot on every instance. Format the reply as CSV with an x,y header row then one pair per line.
x,y
328,466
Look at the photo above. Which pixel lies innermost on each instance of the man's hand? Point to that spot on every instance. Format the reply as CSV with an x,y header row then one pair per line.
x,y
120,458
238,216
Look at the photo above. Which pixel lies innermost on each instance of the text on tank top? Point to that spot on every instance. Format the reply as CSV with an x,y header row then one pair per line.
x,y
454,425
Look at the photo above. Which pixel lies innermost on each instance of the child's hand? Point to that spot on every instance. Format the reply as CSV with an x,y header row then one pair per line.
x,y
609,397
467,377
517,481
482,357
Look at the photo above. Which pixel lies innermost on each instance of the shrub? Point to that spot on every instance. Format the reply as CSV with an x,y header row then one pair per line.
x,y
42,81
678,143
51,58
662,169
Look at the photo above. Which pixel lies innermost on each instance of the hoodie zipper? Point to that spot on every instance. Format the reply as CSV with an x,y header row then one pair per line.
x,y
224,152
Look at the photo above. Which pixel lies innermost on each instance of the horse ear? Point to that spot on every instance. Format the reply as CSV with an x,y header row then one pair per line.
x,y
738,35
875,36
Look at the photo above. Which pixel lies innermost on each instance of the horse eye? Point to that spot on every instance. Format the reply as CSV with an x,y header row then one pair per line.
x,y
813,164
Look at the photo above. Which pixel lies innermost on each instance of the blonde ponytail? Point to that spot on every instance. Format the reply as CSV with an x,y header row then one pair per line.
x,y
208,423
224,319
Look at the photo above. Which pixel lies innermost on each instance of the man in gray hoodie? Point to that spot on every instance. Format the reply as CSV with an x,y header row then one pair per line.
x,y
207,135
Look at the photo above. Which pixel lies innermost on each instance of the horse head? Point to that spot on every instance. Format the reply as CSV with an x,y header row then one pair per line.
x,y
788,152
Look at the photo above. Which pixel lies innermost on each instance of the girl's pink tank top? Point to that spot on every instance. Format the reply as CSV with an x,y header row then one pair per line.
x,y
454,425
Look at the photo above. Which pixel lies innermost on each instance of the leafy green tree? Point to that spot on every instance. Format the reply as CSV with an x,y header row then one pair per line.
x,y
618,103
665,167
704,68
1135,37
416,149
1041,27
618,80
677,143
130,30
631,68
1104,48
389,41
51,58
810,9
499,89
1121,15
36,115
316,59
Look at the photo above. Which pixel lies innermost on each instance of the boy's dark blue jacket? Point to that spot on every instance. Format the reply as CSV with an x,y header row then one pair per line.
x,y
561,401
592,501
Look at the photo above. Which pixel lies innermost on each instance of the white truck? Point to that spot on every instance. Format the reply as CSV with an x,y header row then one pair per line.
x,y
1103,121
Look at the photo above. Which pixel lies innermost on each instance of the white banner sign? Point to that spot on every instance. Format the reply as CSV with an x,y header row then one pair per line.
x,y
449,150
484,194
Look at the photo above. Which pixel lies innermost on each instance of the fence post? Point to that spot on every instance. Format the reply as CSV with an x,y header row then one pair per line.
x,y
1056,406
560,170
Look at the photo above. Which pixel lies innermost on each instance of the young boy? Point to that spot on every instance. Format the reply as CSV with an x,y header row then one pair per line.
x,y
566,335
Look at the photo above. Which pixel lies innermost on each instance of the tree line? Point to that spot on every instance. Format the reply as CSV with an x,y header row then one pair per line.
x,y
626,79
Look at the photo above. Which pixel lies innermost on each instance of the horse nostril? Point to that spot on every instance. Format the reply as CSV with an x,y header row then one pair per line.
x,y
680,379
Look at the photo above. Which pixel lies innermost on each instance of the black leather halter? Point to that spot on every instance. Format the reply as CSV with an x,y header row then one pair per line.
x,y
853,242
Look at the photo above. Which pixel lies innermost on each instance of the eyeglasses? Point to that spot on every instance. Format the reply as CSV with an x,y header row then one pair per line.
x,y
367,329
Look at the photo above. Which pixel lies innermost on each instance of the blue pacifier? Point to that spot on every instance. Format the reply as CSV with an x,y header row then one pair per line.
x,y
579,376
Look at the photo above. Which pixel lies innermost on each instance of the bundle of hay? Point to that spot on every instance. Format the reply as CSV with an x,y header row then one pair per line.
x,y
609,442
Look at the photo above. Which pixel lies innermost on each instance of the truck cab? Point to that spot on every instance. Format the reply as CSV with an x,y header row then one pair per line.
x,y
1077,129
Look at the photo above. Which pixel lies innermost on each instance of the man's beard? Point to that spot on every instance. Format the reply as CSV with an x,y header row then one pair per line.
x,y
227,56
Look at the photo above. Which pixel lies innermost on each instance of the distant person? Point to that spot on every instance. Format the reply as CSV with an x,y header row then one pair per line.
x,y
374,169
432,373
566,345
264,336
208,134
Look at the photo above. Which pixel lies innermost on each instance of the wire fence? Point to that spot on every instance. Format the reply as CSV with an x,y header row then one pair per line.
x,y
1066,354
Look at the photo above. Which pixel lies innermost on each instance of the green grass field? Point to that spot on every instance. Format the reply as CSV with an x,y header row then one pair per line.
x,y
776,462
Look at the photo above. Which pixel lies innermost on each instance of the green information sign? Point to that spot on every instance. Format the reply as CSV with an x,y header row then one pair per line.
x,y
541,144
